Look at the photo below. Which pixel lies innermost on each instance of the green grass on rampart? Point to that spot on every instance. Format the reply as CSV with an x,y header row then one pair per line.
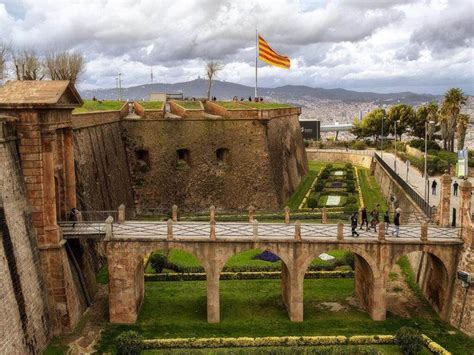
x,y
91,105
189,105
266,105
151,105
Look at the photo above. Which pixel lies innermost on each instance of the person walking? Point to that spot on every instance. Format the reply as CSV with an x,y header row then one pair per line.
x,y
354,225
455,188
73,216
396,223
364,219
374,221
386,220
434,184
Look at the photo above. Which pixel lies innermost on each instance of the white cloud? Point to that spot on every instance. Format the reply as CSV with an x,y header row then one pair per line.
x,y
353,44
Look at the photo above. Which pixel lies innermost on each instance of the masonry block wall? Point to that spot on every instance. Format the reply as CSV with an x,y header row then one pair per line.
x,y
102,175
231,163
25,327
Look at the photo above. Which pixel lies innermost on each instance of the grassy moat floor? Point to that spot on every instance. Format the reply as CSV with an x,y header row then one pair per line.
x,y
254,308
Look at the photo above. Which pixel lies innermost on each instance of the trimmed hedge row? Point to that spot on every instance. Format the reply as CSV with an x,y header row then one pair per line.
x,y
246,276
241,342
267,268
199,343
434,347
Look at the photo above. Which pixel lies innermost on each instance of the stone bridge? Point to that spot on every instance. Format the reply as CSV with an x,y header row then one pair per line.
x,y
297,244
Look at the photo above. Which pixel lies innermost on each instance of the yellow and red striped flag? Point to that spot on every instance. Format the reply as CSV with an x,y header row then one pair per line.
x,y
271,57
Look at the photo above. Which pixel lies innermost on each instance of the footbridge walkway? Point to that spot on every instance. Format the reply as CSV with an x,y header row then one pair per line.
x,y
297,244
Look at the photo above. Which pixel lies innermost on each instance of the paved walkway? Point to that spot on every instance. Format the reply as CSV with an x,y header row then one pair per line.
x,y
416,180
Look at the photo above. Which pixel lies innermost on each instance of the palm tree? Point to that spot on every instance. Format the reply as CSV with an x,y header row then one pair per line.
x,y
432,116
463,122
453,100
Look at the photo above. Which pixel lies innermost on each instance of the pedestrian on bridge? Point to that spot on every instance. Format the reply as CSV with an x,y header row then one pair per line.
x,y
434,184
354,224
363,213
396,222
73,216
386,220
455,188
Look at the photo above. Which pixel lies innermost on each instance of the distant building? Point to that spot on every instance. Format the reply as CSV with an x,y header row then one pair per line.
x,y
164,96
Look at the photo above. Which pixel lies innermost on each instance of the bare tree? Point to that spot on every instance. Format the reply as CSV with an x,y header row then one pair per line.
x,y
212,68
64,65
27,65
4,51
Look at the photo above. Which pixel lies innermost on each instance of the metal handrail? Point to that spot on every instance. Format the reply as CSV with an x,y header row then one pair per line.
x,y
415,196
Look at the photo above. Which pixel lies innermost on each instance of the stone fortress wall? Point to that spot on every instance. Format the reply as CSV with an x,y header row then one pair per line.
x,y
231,163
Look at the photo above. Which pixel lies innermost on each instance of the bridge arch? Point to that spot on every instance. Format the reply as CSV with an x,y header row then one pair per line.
x,y
432,270
368,280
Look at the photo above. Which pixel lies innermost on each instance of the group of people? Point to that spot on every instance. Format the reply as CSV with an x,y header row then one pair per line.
x,y
256,99
375,220
434,186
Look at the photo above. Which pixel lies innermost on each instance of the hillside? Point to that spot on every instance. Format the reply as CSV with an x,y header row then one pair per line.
x,y
287,93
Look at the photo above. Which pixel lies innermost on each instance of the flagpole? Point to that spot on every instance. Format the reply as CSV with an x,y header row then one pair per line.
x,y
256,60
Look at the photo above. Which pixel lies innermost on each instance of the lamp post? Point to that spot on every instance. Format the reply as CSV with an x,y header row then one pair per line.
x,y
426,160
381,139
395,162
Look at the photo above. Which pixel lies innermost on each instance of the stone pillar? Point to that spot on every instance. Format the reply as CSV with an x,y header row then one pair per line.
x,y
378,305
169,228
340,231
295,308
121,214
324,215
255,229
298,230
465,188
424,232
287,215
109,228
381,234
213,302
445,200
69,170
174,213
126,282
251,213
212,214
213,230
49,193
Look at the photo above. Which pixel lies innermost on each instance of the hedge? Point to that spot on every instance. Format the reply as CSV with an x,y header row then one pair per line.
x,y
208,343
201,276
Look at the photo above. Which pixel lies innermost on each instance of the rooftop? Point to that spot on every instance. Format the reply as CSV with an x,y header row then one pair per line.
x,y
39,93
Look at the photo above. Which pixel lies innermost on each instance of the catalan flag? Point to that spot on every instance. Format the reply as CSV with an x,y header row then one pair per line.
x,y
271,57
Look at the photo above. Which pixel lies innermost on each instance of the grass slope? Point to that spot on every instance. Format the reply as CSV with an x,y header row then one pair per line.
x,y
266,105
152,105
232,105
313,169
91,105
190,105
255,308
370,190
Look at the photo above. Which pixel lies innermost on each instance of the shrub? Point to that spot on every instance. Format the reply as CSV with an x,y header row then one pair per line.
x,y
409,340
129,343
350,188
351,200
349,208
312,203
158,262
349,260
420,144
320,145
348,166
319,186
329,166
358,145
325,174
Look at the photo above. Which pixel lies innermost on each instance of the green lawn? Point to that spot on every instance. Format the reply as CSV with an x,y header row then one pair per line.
x,y
189,105
232,105
266,105
313,169
255,308
151,105
370,190
91,105
245,259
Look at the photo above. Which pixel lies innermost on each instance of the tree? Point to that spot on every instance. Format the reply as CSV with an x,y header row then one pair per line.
x,y
370,125
425,114
461,129
212,68
27,65
450,109
433,116
405,117
4,51
64,65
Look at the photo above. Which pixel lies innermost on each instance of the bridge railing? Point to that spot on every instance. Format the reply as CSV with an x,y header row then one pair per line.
x,y
415,196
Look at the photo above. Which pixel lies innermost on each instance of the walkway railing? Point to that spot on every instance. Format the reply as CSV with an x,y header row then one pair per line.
x,y
367,152
415,196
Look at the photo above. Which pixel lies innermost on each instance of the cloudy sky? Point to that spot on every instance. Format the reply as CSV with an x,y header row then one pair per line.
x,y
378,45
